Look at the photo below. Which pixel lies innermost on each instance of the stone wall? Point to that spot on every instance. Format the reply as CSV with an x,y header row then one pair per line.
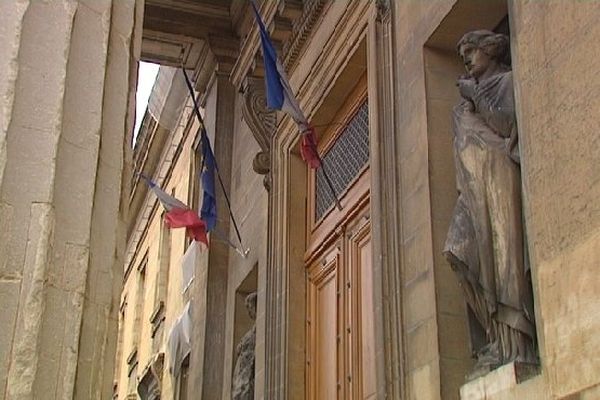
x,y
553,56
135,331
433,349
67,80
555,50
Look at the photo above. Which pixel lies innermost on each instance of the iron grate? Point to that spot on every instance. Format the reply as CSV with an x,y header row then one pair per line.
x,y
344,161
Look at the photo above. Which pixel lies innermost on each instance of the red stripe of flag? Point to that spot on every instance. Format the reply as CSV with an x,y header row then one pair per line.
x,y
179,215
189,219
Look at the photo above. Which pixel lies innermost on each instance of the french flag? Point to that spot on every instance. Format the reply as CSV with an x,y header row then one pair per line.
x,y
281,97
179,215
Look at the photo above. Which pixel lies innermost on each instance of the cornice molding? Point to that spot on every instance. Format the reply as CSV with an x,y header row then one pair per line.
x,y
250,45
290,23
301,31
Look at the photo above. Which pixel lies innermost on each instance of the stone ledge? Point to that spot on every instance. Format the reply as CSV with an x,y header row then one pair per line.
x,y
501,380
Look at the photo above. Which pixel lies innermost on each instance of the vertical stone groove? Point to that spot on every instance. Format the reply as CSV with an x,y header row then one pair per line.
x,y
12,18
25,358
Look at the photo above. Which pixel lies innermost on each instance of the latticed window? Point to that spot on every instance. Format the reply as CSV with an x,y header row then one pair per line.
x,y
344,161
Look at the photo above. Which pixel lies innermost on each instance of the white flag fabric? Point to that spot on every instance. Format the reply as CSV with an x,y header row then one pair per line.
x,y
179,342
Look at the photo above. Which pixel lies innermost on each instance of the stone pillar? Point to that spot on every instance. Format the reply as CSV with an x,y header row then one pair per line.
x,y
385,205
209,304
67,76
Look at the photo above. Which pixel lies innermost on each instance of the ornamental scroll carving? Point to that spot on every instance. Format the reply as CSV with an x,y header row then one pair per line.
x,y
383,9
261,122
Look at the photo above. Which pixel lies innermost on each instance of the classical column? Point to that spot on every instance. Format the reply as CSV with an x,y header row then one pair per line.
x,y
209,304
66,79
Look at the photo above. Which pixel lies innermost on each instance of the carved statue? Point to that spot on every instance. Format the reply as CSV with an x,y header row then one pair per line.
x,y
485,243
243,372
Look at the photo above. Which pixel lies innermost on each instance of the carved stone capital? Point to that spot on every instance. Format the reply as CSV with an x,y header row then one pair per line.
x,y
261,122
383,9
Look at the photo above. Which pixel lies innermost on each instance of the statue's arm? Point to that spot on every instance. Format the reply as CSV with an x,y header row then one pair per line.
x,y
494,100
466,88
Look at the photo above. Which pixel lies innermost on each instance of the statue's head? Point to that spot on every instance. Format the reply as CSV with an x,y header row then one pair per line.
x,y
251,305
483,49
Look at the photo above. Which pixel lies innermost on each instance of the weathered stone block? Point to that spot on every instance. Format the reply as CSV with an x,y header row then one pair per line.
x,y
504,384
9,297
424,382
419,299
417,260
422,344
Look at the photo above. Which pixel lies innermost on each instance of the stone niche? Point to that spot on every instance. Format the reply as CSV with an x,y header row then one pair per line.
x,y
455,320
244,339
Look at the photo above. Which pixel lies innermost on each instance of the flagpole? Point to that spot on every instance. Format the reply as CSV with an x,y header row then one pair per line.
x,y
243,253
337,201
309,138
201,120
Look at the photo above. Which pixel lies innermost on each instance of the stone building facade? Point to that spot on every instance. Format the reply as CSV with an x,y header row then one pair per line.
x,y
351,303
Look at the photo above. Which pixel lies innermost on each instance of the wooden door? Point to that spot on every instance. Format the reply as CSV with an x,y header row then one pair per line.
x,y
323,325
361,314
340,361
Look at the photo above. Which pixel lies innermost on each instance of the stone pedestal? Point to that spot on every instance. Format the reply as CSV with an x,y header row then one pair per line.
x,y
499,381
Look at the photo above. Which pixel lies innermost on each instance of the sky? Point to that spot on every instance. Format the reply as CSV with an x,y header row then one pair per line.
x,y
146,77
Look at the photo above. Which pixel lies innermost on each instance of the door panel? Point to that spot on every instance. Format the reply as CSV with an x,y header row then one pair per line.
x,y
340,321
326,338
322,327
363,319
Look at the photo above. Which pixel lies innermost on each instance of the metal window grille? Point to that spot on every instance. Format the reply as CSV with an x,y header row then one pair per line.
x,y
344,161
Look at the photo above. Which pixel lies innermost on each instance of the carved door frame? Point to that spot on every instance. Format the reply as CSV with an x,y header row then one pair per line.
x,y
285,336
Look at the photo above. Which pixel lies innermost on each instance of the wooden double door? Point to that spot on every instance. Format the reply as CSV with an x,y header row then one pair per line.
x,y
340,357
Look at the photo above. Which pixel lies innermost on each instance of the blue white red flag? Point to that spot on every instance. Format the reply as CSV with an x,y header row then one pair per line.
x,y
208,212
179,215
281,97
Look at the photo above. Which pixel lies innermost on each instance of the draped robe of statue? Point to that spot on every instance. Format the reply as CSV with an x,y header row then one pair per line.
x,y
485,243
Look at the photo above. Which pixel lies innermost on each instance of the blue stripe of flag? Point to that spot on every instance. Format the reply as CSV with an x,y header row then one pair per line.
x,y
275,93
208,212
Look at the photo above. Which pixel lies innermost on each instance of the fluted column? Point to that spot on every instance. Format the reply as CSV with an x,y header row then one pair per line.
x,y
66,79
